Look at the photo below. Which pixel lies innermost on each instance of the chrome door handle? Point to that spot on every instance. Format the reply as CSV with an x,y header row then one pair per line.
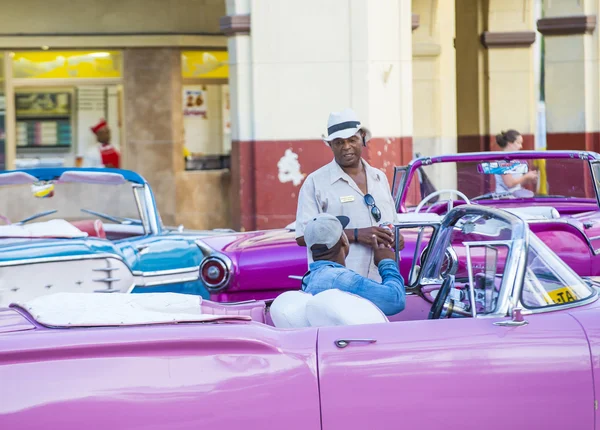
x,y
342,343
517,319
296,277
511,323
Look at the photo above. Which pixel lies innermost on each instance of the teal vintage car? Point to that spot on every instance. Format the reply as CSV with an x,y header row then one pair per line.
x,y
90,230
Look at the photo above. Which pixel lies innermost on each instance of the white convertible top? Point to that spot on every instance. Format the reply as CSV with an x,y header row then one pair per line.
x,y
65,310
53,228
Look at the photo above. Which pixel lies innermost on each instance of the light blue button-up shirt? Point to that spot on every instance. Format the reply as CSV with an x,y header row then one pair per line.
x,y
389,295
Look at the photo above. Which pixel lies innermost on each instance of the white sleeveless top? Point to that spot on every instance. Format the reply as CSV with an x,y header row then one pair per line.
x,y
501,186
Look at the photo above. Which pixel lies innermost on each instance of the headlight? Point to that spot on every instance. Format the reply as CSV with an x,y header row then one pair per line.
x,y
214,273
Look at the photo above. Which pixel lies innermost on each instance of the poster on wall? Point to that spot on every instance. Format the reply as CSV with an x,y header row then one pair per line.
x,y
43,104
194,102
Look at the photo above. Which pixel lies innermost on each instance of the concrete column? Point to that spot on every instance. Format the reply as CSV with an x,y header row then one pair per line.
x,y
239,45
571,74
434,85
471,76
154,122
512,91
495,75
301,61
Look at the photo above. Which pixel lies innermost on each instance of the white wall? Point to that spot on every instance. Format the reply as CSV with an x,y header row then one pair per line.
x,y
305,59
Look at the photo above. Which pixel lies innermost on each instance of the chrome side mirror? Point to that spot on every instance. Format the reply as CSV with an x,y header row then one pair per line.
x,y
516,321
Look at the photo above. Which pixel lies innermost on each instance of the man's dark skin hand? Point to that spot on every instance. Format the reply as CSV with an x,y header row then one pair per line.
x,y
383,236
380,251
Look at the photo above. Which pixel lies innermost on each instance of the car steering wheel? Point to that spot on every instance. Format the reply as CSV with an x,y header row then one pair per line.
x,y
441,298
437,193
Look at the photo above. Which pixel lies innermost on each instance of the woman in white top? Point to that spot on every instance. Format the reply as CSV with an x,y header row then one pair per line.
x,y
512,140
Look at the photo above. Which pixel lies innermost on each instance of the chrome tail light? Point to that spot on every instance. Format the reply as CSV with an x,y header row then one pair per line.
x,y
215,273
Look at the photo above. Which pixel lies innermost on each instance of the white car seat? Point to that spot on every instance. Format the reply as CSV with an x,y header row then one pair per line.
x,y
288,310
535,212
336,307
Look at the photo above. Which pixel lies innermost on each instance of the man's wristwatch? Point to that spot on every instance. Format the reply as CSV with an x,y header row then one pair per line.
x,y
355,235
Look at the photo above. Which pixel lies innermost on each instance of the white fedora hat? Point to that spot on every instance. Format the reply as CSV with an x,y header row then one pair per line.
x,y
344,124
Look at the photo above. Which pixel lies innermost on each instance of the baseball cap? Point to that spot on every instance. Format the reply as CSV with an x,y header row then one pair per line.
x,y
324,231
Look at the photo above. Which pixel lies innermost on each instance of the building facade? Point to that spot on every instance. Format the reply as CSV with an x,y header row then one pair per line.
x,y
220,104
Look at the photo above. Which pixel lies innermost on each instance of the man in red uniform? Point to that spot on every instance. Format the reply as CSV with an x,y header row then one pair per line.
x,y
110,155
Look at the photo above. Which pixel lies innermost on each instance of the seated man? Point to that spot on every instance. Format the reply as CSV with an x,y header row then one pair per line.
x,y
324,236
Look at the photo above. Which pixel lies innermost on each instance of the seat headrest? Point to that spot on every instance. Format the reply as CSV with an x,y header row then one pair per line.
x,y
336,307
288,310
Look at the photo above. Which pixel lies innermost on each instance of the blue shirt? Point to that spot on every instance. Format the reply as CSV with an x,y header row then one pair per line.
x,y
389,295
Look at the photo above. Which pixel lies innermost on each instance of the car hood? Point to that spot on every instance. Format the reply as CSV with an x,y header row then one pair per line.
x,y
12,249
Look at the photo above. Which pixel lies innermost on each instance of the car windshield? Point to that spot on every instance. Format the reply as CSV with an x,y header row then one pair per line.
x,y
76,203
565,178
478,253
548,280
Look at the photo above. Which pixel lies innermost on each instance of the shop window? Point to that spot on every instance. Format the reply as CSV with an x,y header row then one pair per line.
x,y
55,110
206,110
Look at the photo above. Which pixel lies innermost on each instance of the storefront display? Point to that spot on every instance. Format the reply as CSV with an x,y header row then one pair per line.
x,y
58,95
206,111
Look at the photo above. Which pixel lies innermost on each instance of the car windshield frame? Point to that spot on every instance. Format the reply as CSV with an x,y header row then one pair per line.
x,y
142,199
401,185
519,244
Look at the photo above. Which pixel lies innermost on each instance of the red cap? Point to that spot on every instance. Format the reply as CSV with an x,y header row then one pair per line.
x,y
98,126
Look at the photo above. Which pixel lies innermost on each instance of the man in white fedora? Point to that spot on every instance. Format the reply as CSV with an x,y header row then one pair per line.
x,y
348,186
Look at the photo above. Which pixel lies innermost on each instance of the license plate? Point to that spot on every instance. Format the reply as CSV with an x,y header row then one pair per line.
x,y
563,295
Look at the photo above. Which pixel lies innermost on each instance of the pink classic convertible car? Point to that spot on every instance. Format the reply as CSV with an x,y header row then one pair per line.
x,y
562,210
513,341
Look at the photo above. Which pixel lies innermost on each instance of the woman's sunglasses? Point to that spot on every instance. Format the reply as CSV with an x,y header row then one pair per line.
x,y
370,201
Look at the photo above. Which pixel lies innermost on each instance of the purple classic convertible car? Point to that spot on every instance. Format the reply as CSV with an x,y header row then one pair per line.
x,y
562,209
513,341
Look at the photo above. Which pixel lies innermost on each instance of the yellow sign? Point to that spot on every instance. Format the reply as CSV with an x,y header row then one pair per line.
x,y
67,64
563,295
205,64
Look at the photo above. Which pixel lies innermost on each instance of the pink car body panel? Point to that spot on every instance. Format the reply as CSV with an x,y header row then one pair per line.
x,y
159,377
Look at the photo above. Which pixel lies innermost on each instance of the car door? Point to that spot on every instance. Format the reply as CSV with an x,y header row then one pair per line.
x,y
457,374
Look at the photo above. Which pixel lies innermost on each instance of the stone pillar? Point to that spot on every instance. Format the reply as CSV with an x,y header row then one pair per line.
x,y
292,70
512,91
495,76
239,45
571,74
154,122
495,67
434,85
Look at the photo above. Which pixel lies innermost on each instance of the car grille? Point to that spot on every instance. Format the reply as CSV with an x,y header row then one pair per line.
x,y
23,282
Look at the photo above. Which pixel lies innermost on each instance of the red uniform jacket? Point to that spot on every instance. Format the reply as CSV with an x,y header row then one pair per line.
x,y
110,156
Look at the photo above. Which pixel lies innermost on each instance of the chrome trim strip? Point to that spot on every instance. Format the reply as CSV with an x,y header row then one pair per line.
x,y
587,301
59,259
165,281
143,217
595,179
150,209
471,280
136,273
166,272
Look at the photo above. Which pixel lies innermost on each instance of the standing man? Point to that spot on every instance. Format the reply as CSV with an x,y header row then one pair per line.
x,y
348,186
109,154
